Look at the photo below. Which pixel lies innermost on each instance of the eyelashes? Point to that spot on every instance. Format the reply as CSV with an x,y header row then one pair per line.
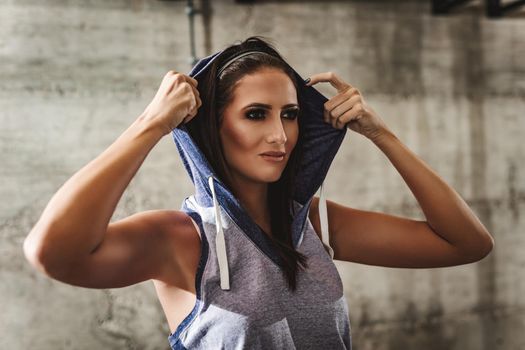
x,y
260,113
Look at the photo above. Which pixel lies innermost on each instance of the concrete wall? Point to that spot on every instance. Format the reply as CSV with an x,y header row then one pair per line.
x,y
75,74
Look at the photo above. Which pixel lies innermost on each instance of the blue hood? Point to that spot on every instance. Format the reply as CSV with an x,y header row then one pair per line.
x,y
321,142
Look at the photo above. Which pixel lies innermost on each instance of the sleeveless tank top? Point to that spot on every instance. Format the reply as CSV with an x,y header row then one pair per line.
x,y
242,298
255,309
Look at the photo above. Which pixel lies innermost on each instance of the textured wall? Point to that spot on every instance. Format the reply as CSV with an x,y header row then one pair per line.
x,y
75,74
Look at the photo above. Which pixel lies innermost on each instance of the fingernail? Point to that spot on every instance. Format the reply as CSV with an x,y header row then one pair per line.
x,y
306,81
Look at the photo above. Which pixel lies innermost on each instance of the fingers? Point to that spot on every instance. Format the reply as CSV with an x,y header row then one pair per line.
x,y
340,109
193,83
352,94
189,79
329,77
334,115
351,115
198,101
175,78
340,98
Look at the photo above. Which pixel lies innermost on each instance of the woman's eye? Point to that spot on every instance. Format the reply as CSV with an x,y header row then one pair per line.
x,y
260,113
255,112
293,113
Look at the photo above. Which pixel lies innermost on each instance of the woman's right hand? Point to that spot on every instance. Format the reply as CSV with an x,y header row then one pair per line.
x,y
176,101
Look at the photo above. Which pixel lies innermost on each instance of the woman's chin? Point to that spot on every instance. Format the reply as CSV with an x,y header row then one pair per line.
x,y
272,177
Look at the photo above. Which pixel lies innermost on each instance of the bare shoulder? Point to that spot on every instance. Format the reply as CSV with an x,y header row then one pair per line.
x,y
182,237
180,230
146,245
173,245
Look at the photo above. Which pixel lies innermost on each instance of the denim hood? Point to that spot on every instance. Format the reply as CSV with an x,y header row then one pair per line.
x,y
321,142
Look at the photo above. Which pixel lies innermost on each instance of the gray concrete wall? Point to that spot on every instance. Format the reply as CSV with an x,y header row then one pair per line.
x,y
75,74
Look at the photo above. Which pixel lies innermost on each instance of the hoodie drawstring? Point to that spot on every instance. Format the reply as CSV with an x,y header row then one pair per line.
x,y
324,222
220,243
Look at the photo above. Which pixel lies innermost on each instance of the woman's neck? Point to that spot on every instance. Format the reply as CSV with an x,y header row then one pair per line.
x,y
253,197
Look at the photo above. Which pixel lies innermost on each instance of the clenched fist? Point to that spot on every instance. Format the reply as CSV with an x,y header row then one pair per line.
x,y
177,100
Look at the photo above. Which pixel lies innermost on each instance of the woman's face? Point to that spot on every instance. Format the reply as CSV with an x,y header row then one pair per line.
x,y
262,117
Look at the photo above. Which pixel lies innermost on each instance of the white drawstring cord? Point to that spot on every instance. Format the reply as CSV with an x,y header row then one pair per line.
x,y
220,244
324,222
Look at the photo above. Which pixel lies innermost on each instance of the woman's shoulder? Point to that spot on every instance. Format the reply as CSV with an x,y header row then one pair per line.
x,y
182,236
174,239
169,225
180,227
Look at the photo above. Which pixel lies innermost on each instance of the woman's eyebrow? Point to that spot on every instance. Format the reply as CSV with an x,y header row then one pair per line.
x,y
263,105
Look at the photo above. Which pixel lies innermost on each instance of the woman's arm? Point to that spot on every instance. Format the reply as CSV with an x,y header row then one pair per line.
x,y
380,239
451,235
73,235
76,218
446,212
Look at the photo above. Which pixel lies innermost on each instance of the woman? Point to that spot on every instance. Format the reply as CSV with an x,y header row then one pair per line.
x,y
247,261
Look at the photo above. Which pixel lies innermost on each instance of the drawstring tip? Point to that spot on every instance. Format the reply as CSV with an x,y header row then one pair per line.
x,y
225,285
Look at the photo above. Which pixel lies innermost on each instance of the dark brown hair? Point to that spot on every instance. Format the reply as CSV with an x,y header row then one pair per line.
x,y
216,93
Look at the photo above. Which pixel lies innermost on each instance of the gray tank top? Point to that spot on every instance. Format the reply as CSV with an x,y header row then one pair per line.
x,y
243,300
257,310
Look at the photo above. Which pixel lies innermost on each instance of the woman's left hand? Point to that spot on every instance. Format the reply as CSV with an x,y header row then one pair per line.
x,y
349,109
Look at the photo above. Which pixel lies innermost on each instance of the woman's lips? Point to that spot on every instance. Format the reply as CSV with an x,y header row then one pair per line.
x,y
274,153
272,158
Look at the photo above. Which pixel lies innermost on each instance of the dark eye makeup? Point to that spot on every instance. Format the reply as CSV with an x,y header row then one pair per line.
x,y
259,113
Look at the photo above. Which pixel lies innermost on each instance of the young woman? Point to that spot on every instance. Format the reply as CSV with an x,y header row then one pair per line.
x,y
247,261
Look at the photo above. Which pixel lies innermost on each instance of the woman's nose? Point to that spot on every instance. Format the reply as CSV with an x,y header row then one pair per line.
x,y
277,132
